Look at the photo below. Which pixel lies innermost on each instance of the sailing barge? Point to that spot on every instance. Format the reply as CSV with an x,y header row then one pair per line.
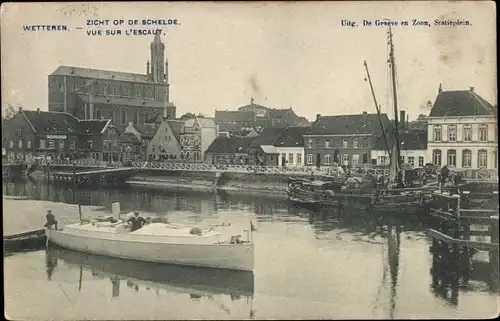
x,y
393,196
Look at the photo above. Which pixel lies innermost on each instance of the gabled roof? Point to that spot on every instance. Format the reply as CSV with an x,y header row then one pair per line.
x,y
234,116
124,101
52,122
129,138
229,127
409,140
350,124
145,130
175,127
461,103
292,137
203,121
99,74
278,113
94,126
230,145
268,136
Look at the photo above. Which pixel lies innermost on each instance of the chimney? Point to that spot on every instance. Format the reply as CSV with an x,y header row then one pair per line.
x,y
472,89
20,108
318,116
38,110
251,100
402,118
440,88
365,113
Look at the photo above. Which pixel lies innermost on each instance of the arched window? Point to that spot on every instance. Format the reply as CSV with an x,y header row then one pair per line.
x,y
98,114
20,144
466,158
452,158
437,133
482,158
452,133
436,157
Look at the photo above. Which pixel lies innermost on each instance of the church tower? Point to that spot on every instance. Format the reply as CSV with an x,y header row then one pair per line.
x,y
157,58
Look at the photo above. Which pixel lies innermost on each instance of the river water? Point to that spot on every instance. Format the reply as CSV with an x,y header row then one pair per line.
x,y
308,265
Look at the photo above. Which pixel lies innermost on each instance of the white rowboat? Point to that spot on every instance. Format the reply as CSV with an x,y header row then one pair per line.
x,y
157,242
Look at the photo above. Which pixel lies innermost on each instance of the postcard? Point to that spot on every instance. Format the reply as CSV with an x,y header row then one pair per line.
x,y
250,160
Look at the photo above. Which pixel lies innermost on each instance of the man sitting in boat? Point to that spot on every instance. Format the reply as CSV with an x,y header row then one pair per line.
x,y
51,220
136,222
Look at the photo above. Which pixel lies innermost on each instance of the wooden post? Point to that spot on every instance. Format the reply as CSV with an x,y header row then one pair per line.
x,y
80,213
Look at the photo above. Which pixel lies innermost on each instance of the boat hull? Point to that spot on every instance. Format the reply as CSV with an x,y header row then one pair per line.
x,y
137,247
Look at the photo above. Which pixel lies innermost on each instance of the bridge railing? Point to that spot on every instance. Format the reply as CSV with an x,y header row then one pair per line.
x,y
79,163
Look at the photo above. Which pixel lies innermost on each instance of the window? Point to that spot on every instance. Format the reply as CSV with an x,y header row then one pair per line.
x,y
366,159
28,144
72,144
309,143
105,144
452,158
495,159
327,143
125,90
115,91
467,134
136,117
75,87
51,143
437,134
466,158
411,161
401,159
299,159
482,158
290,158
89,144
345,159
123,117
59,86
20,144
382,160
344,143
42,143
138,92
420,161
103,89
436,157
452,133
310,159
98,114
11,144
327,158
355,143
355,159
61,144
483,133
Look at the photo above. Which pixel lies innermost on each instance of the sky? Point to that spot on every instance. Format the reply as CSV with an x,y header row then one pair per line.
x,y
284,55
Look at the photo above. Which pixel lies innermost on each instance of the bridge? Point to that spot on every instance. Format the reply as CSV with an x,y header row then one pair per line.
x,y
479,175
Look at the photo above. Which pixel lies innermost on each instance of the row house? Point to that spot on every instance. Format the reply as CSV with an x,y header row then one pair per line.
x,y
463,131
229,151
165,144
195,137
130,148
344,139
144,133
54,135
413,148
235,130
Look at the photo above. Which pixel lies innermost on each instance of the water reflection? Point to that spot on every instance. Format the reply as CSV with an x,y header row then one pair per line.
x,y
198,282
461,269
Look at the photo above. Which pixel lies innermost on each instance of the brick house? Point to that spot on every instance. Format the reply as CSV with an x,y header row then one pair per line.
x,y
196,136
130,148
229,151
344,139
53,135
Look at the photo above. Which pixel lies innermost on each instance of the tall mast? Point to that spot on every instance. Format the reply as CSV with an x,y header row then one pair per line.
x,y
395,98
377,108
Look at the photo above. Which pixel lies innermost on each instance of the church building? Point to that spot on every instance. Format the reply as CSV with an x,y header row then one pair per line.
x,y
120,96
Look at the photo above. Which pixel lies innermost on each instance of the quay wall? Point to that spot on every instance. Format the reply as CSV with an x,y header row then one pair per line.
x,y
251,182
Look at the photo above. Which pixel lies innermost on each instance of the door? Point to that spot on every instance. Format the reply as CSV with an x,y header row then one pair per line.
x,y
318,160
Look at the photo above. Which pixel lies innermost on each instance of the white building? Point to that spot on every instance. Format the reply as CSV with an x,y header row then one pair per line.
x,y
463,131
413,149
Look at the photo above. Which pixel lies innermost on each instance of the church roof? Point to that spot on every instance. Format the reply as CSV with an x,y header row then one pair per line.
x,y
123,101
99,74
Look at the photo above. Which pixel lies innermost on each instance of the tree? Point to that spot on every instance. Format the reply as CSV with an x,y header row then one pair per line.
x,y
9,112
188,115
